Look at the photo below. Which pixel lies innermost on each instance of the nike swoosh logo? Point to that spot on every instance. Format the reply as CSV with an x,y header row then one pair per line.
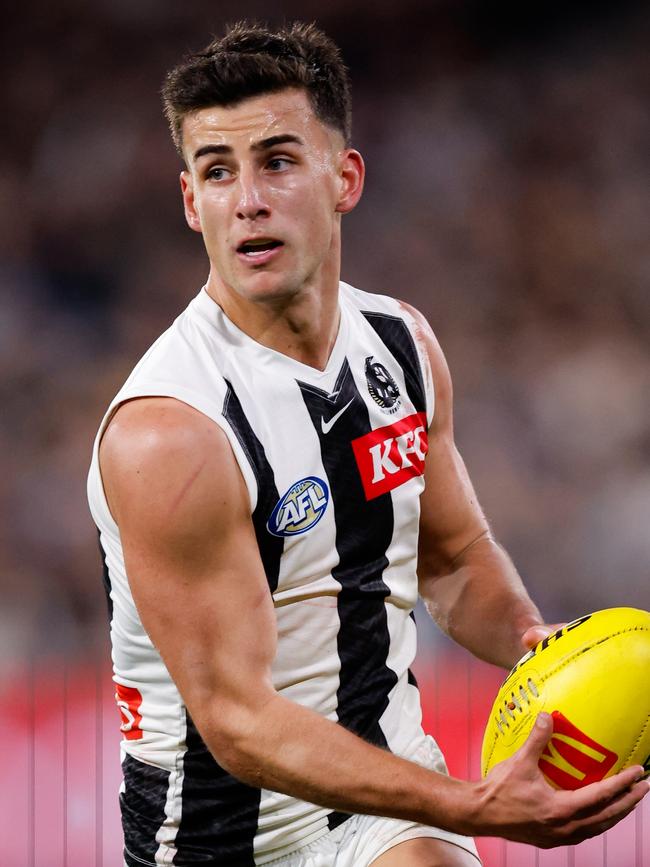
x,y
326,426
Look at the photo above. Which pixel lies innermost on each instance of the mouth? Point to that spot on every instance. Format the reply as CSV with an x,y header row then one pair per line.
x,y
258,248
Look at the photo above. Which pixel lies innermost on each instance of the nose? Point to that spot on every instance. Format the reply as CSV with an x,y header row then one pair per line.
x,y
253,202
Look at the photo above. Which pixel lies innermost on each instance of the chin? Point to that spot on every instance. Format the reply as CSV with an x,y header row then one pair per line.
x,y
267,286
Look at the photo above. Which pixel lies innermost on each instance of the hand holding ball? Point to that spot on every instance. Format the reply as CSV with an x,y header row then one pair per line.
x,y
592,677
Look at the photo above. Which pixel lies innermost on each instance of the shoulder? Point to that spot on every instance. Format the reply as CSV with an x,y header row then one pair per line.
x,y
429,345
160,455
369,302
423,333
420,329
154,428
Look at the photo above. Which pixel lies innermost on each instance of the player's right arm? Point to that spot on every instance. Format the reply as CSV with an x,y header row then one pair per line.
x,y
176,492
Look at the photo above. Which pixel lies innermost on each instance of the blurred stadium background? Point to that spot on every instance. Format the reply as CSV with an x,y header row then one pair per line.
x,y
508,151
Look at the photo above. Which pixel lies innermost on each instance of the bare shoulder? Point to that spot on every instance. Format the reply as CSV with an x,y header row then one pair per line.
x,y
163,455
155,425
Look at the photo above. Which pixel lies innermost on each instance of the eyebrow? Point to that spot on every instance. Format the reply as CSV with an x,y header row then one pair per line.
x,y
262,145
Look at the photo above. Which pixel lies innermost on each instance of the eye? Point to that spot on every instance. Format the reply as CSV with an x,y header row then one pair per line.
x,y
278,164
218,173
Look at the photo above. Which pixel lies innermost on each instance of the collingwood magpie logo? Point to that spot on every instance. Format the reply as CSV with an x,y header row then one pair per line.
x,y
382,387
300,509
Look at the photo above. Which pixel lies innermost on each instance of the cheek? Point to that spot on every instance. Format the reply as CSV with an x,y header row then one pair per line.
x,y
214,220
313,209
314,193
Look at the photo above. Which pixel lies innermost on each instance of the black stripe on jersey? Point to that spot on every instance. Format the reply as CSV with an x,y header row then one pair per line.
x,y
271,547
106,578
364,529
395,334
219,813
411,677
142,805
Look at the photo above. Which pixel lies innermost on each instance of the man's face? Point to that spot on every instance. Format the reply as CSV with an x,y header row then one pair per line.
x,y
266,185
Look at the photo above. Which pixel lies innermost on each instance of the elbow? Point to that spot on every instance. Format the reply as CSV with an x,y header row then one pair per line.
x,y
232,734
442,595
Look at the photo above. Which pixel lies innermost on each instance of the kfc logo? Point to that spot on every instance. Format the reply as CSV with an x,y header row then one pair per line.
x,y
391,455
572,759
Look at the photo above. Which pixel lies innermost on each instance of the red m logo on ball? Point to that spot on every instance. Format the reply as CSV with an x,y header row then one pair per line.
x,y
572,759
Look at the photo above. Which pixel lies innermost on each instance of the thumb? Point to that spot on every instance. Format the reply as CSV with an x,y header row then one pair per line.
x,y
538,738
534,634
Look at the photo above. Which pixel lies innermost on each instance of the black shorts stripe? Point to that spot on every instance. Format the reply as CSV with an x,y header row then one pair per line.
x,y
270,546
336,818
131,861
397,337
219,813
364,529
142,805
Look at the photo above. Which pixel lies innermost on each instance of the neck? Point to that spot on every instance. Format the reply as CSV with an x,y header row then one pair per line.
x,y
303,325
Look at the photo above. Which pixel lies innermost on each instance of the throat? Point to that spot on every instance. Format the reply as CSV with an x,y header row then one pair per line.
x,y
309,342
309,353
303,327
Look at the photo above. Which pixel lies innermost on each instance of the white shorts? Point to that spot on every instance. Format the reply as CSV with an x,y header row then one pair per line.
x,y
362,839
359,840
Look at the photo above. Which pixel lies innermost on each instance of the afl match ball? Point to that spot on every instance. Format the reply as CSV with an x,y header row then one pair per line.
x,y
592,677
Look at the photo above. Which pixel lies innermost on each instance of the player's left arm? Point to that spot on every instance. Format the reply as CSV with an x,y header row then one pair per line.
x,y
466,579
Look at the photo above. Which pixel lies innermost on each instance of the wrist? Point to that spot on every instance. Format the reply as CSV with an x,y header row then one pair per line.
x,y
460,807
476,809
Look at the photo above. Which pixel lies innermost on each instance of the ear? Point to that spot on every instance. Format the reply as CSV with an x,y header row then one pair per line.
x,y
191,213
352,172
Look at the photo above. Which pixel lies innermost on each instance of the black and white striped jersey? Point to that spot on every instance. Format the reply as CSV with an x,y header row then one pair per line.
x,y
333,461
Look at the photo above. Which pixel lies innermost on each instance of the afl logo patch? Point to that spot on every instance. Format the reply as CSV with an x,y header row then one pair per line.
x,y
300,509
382,387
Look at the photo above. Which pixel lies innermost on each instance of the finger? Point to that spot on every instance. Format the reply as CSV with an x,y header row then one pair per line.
x,y
611,815
594,798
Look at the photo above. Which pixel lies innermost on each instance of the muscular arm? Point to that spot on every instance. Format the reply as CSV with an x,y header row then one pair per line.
x,y
466,579
175,490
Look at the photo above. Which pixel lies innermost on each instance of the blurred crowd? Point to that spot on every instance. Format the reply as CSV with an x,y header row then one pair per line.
x,y
507,197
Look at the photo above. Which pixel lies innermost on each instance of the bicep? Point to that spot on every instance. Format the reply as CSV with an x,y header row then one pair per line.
x,y
190,553
451,517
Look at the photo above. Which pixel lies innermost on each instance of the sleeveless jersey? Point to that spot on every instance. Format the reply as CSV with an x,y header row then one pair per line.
x,y
333,461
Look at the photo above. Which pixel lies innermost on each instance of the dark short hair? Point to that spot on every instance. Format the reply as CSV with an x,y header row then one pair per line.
x,y
251,59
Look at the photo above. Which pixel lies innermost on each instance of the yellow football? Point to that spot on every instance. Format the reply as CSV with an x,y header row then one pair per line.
x,y
592,677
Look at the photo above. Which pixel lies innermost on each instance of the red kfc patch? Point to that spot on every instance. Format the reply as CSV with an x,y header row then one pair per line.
x,y
391,455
